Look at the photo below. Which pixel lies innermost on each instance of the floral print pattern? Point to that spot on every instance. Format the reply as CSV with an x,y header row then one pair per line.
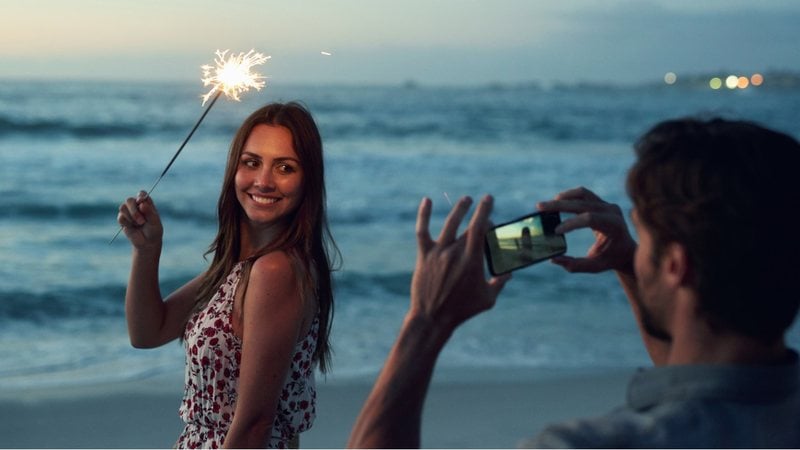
x,y
213,355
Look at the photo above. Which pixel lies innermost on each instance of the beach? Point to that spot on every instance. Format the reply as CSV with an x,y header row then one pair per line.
x,y
486,411
556,345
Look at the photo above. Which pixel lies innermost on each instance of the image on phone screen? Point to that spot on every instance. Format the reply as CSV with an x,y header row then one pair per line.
x,y
524,241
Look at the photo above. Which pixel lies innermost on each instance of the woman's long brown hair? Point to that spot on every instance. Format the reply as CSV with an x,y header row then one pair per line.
x,y
307,238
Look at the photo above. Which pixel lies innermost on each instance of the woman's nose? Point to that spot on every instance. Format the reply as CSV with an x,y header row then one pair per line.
x,y
264,179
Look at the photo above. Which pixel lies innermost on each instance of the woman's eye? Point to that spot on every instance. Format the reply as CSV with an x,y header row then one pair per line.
x,y
286,168
250,163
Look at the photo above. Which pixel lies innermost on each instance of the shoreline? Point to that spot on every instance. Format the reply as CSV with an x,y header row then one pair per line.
x,y
464,409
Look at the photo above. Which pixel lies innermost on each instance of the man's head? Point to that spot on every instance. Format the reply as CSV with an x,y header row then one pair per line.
x,y
723,191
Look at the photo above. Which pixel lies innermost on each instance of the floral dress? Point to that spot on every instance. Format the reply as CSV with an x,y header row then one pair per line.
x,y
213,355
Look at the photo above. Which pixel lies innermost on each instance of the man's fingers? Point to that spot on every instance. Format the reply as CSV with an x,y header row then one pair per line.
x,y
423,222
496,284
583,265
578,193
479,224
606,222
575,206
454,219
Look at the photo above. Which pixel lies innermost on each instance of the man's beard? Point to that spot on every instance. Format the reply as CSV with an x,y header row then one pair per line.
x,y
650,324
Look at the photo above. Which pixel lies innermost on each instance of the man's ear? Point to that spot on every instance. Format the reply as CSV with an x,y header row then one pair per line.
x,y
675,265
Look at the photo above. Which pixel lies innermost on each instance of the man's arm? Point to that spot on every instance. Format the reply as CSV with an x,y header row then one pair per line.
x,y
447,289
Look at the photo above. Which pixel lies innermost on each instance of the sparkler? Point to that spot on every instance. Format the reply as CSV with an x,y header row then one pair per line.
x,y
230,76
447,197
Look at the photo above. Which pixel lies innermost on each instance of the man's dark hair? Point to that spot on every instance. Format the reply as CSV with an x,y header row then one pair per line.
x,y
727,191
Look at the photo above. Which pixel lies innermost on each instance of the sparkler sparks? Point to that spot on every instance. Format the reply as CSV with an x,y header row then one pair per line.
x,y
232,76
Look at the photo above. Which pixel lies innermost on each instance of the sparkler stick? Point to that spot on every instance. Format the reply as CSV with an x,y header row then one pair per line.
x,y
231,77
447,197
175,156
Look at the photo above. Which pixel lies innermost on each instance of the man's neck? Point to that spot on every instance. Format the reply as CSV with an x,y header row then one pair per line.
x,y
701,345
695,341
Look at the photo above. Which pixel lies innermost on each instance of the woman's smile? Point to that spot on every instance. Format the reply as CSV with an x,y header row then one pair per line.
x,y
261,200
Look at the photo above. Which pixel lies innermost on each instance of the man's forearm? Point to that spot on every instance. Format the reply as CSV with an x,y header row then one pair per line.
x,y
392,414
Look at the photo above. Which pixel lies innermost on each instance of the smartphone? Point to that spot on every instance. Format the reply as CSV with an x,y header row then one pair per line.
x,y
524,241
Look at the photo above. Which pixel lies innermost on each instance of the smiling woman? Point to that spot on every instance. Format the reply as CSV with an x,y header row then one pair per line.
x,y
269,180
257,322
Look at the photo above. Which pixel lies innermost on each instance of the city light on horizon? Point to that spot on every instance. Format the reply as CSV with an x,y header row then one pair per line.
x,y
730,81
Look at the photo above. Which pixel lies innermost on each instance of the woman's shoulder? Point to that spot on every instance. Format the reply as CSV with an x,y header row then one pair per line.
x,y
273,266
271,282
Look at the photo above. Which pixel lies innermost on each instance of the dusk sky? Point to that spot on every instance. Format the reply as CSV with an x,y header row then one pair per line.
x,y
386,42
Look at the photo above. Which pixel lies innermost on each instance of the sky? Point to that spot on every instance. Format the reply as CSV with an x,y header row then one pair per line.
x,y
389,42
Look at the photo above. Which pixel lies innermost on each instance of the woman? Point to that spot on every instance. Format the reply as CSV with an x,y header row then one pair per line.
x,y
258,320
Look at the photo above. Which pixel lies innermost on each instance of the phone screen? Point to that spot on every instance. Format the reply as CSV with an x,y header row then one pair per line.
x,y
524,241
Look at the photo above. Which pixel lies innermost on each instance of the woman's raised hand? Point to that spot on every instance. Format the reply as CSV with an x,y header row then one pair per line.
x,y
141,223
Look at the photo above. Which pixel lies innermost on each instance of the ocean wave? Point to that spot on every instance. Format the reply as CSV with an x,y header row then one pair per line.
x,y
103,129
43,307
10,126
447,125
482,113
83,211
89,302
364,216
354,285
79,362
107,300
90,211
43,128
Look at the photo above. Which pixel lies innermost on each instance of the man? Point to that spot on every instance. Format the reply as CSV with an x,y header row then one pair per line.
x,y
711,284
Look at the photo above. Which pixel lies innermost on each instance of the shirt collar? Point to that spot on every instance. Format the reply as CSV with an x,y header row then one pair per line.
x,y
649,387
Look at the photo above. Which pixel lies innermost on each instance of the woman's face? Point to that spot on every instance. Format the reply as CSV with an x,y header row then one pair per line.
x,y
269,178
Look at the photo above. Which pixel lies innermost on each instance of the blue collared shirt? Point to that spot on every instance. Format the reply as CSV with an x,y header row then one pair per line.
x,y
698,406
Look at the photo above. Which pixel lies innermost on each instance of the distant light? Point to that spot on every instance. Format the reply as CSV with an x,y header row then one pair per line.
x,y
325,53
732,81
670,78
715,83
756,79
742,83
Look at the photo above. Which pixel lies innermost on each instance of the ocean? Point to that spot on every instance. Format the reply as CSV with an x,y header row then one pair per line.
x,y
73,151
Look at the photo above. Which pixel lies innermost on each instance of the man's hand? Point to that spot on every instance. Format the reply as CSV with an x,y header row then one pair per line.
x,y
449,285
613,248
